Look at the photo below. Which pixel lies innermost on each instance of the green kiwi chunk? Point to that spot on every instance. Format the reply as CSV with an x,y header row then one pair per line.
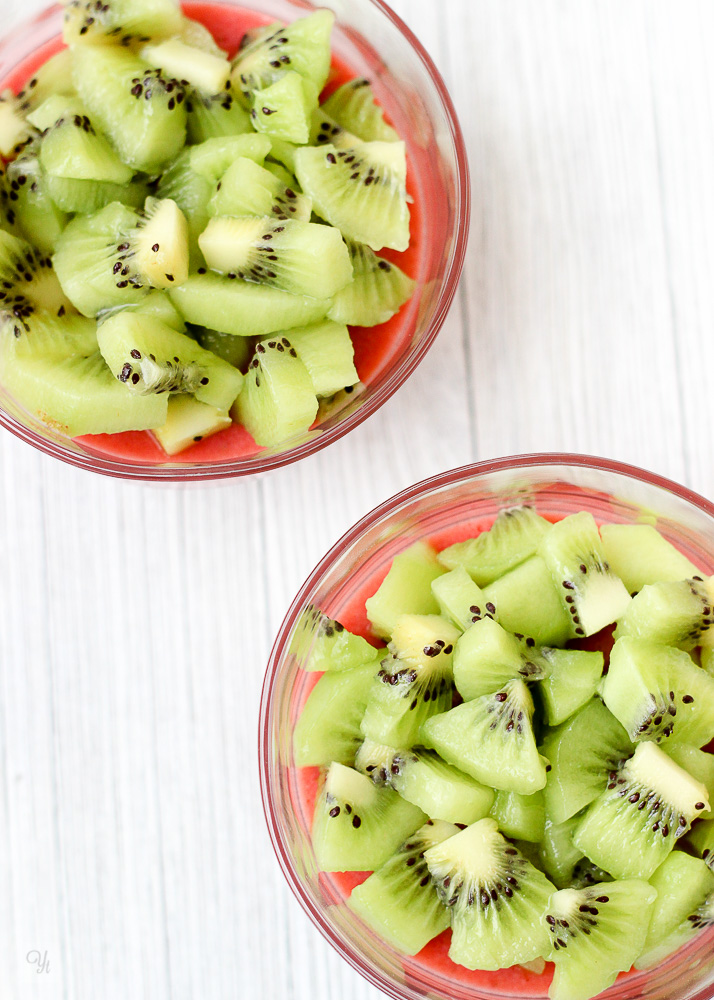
x,y
158,305
683,885
322,643
243,308
38,219
521,817
326,350
491,739
189,421
596,933
324,130
237,351
375,760
361,191
205,71
406,589
53,77
278,402
649,803
212,158
15,130
303,258
497,899
698,763
460,599
329,725
673,613
74,148
442,791
141,111
513,538
377,291
42,334
582,752
28,281
284,109
658,693
246,188
529,604
358,826
572,678
585,873
701,840
191,191
214,115
558,855
590,591
353,106
158,249
399,900
487,656
640,555
413,683
119,22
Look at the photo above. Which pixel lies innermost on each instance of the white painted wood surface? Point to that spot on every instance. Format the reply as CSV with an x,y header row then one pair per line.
x,y
135,622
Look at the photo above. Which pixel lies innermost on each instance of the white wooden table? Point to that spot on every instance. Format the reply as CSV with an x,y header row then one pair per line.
x,y
135,622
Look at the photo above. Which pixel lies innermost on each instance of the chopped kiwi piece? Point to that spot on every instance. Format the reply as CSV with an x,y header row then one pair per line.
x,y
357,826
86,197
44,335
237,351
640,555
487,656
558,855
14,128
353,106
148,356
243,307
572,678
326,350
52,77
159,305
529,604
406,589
678,613
414,683
329,726
649,803
591,593
442,791
205,71
595,934
212,158
701,840
582,752
196,34
698,763
302,47
491,739
73,148
375,760
513,538
520,816
119,22
158,247
189,421
497,899
284,108
321,643
399,900
28,281
460,599
214,115
191,191
54,109
140,110
324,130
657,693
38,219
299,257
361,191
586,873
278,402
683,884
377,291
246,188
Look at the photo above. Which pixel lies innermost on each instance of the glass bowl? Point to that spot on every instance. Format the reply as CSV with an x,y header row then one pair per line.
x,y
373,42
444,509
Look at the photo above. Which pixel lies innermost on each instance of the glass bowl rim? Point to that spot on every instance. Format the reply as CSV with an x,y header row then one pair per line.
x,y
424,487
212,472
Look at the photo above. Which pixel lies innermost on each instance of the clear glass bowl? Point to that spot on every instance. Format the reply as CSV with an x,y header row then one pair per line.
x,y
372,41
444,509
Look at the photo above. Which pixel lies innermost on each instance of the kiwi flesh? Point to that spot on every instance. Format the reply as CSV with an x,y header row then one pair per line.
x,y
14,127
189,421
596,933
321,643
326,350
491,739
361,191
673,613
658,693
284,109
443,792
119,22
212,158
378,290
406,589
358,826
209,116
329,725
591,593
299,257
191,191
701,840
497,899
148,356
399,900
353,106
28,281
414,682
487,656
42,334
157,250
521,817
246,188
698,763
683,885
237,351
558,855
73,148
571,681
205,71
649,803
460,599
375,760
38,219
529,604
640,555
513,538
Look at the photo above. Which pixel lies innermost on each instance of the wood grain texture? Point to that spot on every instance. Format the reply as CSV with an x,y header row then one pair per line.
x,y
135,623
